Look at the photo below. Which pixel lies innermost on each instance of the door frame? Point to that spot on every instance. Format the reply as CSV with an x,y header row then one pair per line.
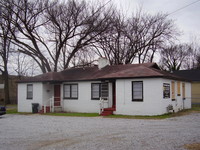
x,y
57,98
113,94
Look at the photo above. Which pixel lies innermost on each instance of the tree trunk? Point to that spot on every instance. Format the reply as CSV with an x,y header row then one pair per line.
x,y
6,88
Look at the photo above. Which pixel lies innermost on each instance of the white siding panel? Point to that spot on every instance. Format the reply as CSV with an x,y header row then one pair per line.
x,y
187,101
24,104
152,95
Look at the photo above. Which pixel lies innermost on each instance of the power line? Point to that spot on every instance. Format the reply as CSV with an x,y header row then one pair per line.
x,y
183,7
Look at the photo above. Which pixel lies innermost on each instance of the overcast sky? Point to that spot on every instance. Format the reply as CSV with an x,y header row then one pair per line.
x,y
187,19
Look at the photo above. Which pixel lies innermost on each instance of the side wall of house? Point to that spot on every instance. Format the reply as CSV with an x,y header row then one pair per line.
x,y
196,92
188,95
153,101
179,103
84,103
24,104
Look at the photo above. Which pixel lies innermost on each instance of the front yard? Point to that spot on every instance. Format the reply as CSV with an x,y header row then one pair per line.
x,y
44,132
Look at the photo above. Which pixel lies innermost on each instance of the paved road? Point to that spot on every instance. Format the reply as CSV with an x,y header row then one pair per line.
x,y
38,132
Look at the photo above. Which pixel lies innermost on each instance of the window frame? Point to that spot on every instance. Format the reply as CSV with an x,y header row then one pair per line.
x,y
70,85
92,98
166,90
138,100
27,95
107,84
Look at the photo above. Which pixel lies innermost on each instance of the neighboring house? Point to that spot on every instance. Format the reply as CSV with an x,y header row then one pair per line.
x,y
1,92
194,77
133,89
12,89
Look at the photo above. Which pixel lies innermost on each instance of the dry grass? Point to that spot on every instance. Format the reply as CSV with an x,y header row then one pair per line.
x,y
193,146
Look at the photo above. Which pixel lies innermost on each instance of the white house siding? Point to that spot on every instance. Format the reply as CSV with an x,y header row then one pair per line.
x,y
84,103
153,101
151,97
179,103
24,104
188,101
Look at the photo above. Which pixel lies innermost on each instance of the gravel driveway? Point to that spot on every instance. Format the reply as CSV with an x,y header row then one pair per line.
x,y
39,132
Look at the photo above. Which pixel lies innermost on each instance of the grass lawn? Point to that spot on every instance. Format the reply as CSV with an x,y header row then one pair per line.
x,y
12,109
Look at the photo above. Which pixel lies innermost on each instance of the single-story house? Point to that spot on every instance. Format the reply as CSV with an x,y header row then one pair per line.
x,y
132,89
194,77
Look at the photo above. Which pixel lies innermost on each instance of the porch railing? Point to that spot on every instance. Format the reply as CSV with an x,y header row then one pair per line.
x,y
103,101
52,104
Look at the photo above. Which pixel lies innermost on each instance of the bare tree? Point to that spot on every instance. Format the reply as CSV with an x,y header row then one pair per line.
x,y
193,55
26,17
84,58
147,34
5,48
54,31
22,65
174,56
113,43
198,62
73,26
138,37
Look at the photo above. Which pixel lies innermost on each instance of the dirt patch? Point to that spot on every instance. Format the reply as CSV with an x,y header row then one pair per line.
x,y
193,146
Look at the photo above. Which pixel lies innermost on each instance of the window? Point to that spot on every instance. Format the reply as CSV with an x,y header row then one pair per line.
x,y
96,90
104,89
29,91
137,91
70,91
166,90
173,90
99,90
179,88
183,90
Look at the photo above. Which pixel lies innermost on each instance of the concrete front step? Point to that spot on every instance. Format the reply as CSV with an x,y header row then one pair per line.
x,y
57,109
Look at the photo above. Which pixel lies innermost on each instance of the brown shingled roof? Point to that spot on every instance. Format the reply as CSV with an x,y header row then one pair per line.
x,y
145,70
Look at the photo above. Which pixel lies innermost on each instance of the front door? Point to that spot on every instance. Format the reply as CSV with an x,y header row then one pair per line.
x,y
57,95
